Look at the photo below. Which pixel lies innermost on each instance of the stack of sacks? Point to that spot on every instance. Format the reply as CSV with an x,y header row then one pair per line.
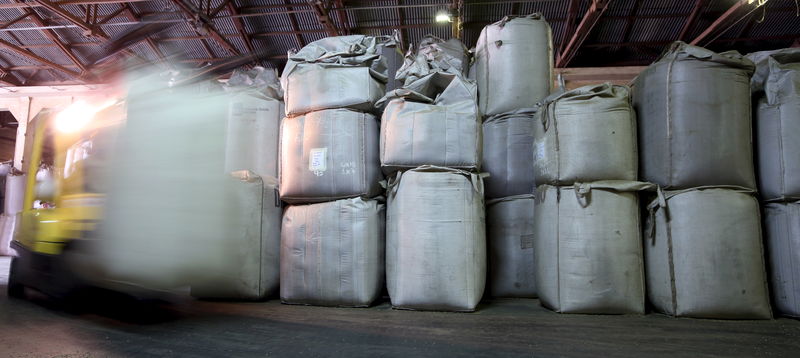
x,y
436,246
329,165
513,68
776,87
588,247
251,155
705,259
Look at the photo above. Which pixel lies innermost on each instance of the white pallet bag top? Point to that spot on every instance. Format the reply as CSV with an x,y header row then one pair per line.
x,y
435,239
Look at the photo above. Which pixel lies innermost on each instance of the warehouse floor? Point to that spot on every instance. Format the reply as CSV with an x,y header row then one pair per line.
x,y
501,328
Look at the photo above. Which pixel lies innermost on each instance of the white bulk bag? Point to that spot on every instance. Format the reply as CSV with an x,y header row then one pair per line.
x,y
776,84
782,238
433,121
335,72
586,134
693,113
588,247
328,155
508,153
513,63
704,255
435,240
252,248
332,254
509,238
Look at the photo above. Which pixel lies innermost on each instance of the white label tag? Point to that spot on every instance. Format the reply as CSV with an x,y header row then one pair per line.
x,y
316,160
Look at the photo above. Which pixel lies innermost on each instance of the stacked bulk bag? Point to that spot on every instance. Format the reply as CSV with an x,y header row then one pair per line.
x,y
509,240
588,249
435,239
586,134
252,245
251,158
693,108
513,63
335,72
704,254
328,155
12,204
255,110
432,121
434,55
782,239
776,86
329,158
332,254
508,153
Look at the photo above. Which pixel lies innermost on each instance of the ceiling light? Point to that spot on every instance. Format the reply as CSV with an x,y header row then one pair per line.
x,y
443,17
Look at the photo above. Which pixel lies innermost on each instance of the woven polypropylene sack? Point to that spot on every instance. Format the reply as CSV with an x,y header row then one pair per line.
x,y
433,121
776,84
508,154
588,250
707,261
335,72
435,240
693,109
332,254
782,239
586,134
252,249
329,155
514,63
509,238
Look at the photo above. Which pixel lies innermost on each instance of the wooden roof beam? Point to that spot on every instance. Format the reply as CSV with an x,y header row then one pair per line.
x,y
207,25
37,58
569,25
53,37
295,27
590,19
321,10
696,10
237,22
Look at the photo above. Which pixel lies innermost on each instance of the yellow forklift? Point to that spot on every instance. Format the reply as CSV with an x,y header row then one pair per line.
x,y
63,206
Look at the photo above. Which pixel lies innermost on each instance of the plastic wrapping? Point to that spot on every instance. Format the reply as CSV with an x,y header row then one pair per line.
x,y
435,240
332,254
508,153
693,108
588,247
513,63
704,255
509,238
329,155
586,134
433,121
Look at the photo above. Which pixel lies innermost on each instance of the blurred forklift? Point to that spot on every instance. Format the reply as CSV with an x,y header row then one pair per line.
x,y
166,191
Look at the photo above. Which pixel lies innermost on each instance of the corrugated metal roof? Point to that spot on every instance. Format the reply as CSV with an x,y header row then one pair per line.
x,y
640,34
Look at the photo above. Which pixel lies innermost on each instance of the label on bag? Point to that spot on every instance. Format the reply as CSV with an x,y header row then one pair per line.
x,y
526,241
316,160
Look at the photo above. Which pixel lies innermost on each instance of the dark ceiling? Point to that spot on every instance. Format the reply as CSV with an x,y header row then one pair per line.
x,y
45,42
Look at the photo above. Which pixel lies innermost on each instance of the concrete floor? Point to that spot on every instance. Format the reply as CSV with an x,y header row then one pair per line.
x,y
500,328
